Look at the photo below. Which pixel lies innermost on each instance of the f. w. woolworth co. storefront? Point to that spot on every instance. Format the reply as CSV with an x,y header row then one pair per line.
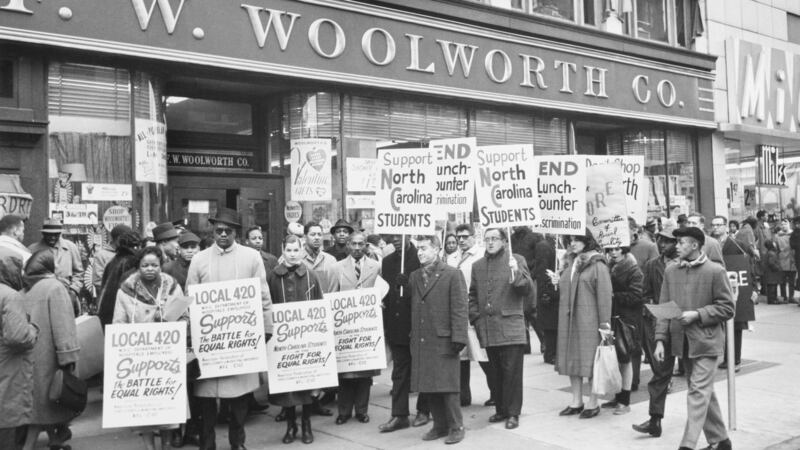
x,y
153,110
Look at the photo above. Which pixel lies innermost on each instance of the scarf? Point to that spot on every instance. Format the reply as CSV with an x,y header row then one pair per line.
x,y
700,260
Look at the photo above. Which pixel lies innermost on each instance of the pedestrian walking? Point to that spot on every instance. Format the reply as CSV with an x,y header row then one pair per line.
x,y
292,281
786,260
438,334
701,289
49,306
584,307
498,290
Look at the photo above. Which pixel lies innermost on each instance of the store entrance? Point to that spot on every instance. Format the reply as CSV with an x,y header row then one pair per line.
x,y
257,197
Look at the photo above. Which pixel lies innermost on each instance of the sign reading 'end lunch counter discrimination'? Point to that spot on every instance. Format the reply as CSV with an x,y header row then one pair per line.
x,y
145,374
358,329
404,203
561,181
301,352
505,185
228,327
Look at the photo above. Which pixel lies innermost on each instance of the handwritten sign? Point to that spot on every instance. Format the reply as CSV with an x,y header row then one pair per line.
x,y
311,170
635,188
145,374
506,187
561,186
362,175
228,327
358,329
151,151
404,202
301,353
455,190
75,213
606,207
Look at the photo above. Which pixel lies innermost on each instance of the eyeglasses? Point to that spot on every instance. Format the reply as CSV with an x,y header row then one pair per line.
x,y
717,224
492,239
221,230
463,236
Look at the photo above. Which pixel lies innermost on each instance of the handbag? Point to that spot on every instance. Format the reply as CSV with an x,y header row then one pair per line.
x,y
68,391
624,339
606,378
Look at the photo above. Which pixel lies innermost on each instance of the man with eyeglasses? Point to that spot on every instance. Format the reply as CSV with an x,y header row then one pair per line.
x,y
711,248
498,288
226,260
463,259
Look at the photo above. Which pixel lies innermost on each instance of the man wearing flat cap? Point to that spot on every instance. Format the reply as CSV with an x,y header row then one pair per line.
x,y
188,246
69,267
165,235
340,232
701,290
222,261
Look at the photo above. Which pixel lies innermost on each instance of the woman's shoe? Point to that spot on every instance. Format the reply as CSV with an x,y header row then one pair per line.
x,y
308,436
571,411
291,432
589,413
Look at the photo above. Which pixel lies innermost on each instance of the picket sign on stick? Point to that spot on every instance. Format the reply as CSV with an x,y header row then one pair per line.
x,y
402,260
510,254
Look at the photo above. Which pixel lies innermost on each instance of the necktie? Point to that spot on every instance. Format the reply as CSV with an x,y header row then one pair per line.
x,y
358,270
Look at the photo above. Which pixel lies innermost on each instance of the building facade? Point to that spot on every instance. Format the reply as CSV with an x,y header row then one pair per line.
x,y
142,111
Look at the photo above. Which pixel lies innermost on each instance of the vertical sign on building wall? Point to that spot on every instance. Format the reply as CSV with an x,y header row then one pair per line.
x,y
311,170
150,145
769,171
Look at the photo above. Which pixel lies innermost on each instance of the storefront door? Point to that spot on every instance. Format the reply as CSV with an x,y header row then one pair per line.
x,y
257,198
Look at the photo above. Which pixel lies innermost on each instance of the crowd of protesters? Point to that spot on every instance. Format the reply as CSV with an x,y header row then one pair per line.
x,y
451,301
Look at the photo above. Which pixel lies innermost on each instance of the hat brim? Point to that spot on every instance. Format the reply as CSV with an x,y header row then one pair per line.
x,y
52,231
346,227
169,234
226,222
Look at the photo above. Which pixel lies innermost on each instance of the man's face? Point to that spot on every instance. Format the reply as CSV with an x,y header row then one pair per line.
x,y
341,235
255,240
357,245
170,247
465,240
51,239
426,252
687,247
19,233
718,228
694,221
314,238
224,235
494,243
666,246
187,251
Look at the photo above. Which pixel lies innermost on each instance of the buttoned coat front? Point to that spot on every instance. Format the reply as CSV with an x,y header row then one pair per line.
x,y
438,319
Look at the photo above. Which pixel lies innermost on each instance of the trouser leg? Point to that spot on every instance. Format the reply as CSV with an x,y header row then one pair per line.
x,y
703,412
361,399
550,339
658,385
636,366
490,373
452,410
496,388
238,414
466,392
347,393
423,403
208,411
436,403
737,345
401,379
511,363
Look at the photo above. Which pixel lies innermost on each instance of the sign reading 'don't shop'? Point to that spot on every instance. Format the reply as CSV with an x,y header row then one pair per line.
x,y
404,202
636,190
505,186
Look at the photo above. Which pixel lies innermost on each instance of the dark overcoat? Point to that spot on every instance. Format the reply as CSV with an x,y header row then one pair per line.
x,y
396,307
496,306
16,362
546,294
438,319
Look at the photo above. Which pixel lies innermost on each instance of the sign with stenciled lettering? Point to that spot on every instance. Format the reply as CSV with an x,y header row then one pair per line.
x,y
216,160
358,44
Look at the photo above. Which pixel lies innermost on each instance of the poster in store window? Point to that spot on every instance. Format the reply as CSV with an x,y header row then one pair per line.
x,y
151,151
311,170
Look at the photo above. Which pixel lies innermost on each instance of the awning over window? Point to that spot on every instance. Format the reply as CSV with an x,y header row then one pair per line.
x,y
14,199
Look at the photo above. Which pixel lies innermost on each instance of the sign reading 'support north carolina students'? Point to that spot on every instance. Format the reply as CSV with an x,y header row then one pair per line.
x,y
301,352
561,180
606,209
228,327
145,374
455,189
506,185
358,329
404,203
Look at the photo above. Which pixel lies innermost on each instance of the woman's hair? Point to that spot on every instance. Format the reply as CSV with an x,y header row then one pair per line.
x,y
42,262
588,240
150,251
769,244
291,239
625,249
734,223
129,240
450,235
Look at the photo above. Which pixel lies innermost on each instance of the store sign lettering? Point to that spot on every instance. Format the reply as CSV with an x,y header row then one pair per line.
x,y
144,14
16,5
763,86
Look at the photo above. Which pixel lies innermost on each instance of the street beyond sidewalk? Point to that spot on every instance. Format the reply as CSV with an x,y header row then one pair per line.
x,y
768,413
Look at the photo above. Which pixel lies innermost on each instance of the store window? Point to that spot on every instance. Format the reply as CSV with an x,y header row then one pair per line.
x,y
651,20
209,116
547,134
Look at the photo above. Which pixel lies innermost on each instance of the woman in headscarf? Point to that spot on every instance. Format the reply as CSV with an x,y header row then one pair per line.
x,y
49,305
116,271
142,298
291,281
584,307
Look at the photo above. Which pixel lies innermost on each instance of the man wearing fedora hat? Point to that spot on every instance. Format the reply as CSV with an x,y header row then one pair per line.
x,y
165,235
226,260
69,267
340,232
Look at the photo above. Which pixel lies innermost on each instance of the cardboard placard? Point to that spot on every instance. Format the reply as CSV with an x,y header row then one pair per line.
x,y
561,183
404,201
606,207
505,186
358,329
455,187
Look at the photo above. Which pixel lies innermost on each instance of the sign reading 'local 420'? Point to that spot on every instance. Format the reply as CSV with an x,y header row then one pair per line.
x,y
361,44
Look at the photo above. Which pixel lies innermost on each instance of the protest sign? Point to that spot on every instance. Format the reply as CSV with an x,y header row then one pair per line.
x,y
606,205
75,213
362,175
116,215
311,170
404,200
145,374
738,267
505,185
636,190
228,327
455,191
301,353
358,329
561,183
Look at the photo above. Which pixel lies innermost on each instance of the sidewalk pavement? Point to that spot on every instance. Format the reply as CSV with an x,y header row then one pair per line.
x,y
768,413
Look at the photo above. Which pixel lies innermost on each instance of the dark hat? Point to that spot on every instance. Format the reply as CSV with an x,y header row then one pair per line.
x,y
52,226
226,216
691,232
164,232
342,224
119,230
187,238
651,222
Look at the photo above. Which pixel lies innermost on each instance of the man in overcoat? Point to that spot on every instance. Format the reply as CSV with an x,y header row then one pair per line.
x,y
438,334
701,289
227,260
500,284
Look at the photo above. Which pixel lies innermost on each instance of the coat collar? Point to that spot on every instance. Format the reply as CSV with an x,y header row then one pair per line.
x,y
435,269
281,270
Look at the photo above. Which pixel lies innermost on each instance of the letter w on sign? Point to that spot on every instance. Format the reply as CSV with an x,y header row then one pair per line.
x,y
144,15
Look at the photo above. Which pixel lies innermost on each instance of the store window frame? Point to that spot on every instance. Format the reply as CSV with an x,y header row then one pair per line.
x,y
9,81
